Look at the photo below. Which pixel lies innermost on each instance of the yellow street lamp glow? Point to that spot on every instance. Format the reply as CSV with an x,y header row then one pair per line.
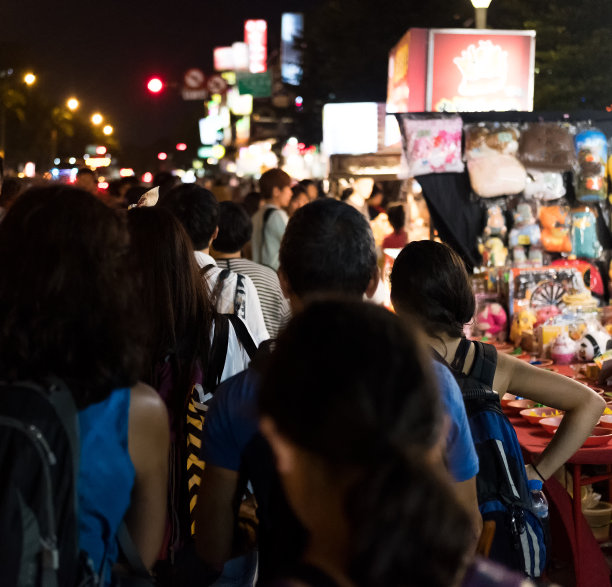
x,y
29,78
108,130
481,3
72,104
480,8
97,118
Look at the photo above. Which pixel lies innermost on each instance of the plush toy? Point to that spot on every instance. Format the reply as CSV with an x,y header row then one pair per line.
x,y
496,175
544,185
496,223
592,151
522,324
555,221
584,234
526,231
491,321
495,254
593,344
545,313
563,349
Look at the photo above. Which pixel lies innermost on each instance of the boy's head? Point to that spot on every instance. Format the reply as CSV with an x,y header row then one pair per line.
x,y
397,217
275,187
235,228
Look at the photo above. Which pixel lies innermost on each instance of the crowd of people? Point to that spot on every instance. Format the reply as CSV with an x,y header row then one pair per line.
x,y
310,440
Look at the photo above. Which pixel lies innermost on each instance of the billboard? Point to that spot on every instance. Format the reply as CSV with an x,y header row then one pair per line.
x,y
480,71
292,28
461,70
256,37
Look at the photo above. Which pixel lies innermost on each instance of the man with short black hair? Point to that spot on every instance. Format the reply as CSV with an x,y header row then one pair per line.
x,y
235,230
270,220
232,293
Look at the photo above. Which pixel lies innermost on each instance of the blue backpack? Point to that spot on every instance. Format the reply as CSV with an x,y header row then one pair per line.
x,y
503,496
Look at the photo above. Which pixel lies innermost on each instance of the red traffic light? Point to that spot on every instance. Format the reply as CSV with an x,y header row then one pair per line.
x,y
155,85
181,147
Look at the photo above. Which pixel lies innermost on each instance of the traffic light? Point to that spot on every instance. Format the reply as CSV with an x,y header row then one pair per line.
x,y
155,85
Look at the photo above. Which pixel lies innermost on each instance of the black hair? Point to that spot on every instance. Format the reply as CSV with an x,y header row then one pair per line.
x,y
86,171
397,217
346,194
11,189
235,228
68,305
328,246
430,280
132,196
165,181
197,209
363,379
251,202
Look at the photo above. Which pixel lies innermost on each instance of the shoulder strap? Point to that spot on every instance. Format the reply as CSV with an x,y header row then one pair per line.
x,y
243,335
485,362
217,354
266,217
460,355
204,270
239,296
139,575
216,291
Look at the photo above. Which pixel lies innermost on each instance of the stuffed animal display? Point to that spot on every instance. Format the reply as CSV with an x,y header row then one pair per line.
x,y
584,234
593,344
492,320
555,221
592,150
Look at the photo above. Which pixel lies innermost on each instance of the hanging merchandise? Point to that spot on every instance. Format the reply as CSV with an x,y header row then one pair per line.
x,y
592,153
555,221
433,145
525,233
494,253
584,234
544,185
482,140
496,222
547,146
496,175
491,321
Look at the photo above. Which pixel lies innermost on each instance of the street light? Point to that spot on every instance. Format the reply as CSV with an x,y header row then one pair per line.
x,y
480,8
108,130
72,104
155,85
96,119
29,79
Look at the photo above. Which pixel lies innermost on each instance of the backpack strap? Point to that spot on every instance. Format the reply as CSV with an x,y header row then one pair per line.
x,y
485,363
138,576
217,354
218,288
460,356
243,335
239,296
266,217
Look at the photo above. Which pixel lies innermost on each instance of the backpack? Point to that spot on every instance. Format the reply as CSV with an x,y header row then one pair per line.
x,y
501,483
39,464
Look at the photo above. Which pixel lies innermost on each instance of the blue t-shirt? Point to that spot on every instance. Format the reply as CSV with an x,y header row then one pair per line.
x,y
232,422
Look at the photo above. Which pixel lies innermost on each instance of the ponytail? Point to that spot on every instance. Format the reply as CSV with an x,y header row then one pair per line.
x,y
407,528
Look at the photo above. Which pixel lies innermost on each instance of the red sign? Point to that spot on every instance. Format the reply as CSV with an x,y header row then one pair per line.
x,y
480,71
462,70
256,37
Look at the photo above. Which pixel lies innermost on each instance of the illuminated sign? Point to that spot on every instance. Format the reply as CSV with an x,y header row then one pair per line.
x,y
240,56
292,27
350,128
480,71
95,162
239,104
256,37
462,70
223,58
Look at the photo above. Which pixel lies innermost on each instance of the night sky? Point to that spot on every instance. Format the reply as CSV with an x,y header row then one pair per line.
x,y
104,51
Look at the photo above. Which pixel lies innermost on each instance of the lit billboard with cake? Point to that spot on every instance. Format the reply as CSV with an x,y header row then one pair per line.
x,y
462,70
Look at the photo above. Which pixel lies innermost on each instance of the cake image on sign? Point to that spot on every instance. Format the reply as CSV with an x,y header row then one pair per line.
x,y
484,69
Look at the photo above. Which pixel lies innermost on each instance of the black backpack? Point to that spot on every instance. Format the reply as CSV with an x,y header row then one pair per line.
x,y
39,462
503,495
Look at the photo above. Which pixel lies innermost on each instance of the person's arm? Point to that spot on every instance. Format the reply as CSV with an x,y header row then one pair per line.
x,y
216,515
582,407
149,444
467,496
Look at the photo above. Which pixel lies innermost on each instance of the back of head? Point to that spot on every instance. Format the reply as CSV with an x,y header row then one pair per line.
x,y
165,181
328,247
251,202
273,178
397,217
430,280
235,228
197,210
349,384
66,293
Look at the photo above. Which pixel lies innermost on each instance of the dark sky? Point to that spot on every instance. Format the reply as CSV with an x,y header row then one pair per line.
x,y
103,51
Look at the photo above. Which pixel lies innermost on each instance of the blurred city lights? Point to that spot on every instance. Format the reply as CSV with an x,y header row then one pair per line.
x,y
108,130
147,177
72,160
162,156
126,172
181,147
155,85
29,78
72,104
103,185
57,161
101,150
97,118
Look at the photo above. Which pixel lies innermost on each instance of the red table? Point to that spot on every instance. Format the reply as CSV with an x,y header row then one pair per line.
x,y
589,563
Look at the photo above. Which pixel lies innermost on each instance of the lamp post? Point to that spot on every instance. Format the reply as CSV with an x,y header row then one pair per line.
x,y
480,9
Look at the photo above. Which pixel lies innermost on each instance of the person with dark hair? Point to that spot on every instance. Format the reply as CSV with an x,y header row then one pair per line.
x,y
235,229
298,199
310,188
10,190
165,181
397,219
328,249
86,180
251,203
375,202
270,220
429,280
69,309
362,472
231,293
